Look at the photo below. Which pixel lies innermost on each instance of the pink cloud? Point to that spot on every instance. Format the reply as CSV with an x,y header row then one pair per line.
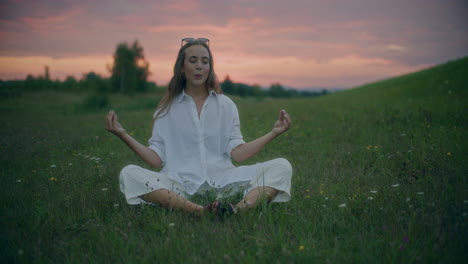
x,y
184,6
50,24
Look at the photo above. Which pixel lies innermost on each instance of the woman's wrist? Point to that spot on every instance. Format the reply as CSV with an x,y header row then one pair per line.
x,y
122,134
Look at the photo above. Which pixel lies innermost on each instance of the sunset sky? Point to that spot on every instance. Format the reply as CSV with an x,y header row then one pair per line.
x,y
301,44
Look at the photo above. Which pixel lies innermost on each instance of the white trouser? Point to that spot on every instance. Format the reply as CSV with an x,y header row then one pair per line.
x,y
136,181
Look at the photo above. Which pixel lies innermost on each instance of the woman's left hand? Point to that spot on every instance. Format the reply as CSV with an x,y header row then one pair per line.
x,y
282,124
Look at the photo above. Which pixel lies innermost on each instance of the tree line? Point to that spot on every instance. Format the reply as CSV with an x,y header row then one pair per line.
x,y
129,75
276,90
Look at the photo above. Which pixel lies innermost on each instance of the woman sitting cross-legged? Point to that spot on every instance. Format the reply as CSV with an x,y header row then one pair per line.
x,y
196,133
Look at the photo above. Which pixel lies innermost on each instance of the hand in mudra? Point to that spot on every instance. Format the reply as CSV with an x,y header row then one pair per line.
x,y
283,123
112,125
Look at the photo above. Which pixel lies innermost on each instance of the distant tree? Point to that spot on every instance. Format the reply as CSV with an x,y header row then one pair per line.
x,y
46,73
277,90
257,91
130,70
70,83
94,81
228,86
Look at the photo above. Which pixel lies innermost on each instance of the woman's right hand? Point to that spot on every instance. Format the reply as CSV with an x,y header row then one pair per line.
x,y
113,126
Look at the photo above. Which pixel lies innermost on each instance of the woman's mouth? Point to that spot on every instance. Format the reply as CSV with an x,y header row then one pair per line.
x,y
198,76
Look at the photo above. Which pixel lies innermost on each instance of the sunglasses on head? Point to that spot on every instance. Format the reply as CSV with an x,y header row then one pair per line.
x,y
190,40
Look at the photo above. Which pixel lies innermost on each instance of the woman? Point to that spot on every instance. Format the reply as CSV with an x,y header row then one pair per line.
x,y
196,132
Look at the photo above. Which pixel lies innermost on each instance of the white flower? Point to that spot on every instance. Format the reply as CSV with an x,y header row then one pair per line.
x,y
18,181
402,134
53,166
370,198
395,185
116,205
326,198
420,193
171,224
373,191
342,205
408,199
69,164
324,206
104,189
465,201
112,153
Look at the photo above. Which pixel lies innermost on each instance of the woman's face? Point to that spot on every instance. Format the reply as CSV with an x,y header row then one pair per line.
x,y
196,65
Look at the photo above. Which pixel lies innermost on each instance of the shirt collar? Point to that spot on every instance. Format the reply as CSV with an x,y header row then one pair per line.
x,y
183,94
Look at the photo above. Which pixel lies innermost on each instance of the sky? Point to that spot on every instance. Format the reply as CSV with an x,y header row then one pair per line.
x,y
298,43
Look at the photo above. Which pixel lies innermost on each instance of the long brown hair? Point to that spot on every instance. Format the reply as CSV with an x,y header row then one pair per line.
x,y
178,81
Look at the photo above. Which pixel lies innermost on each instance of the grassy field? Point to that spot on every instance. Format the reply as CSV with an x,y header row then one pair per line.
x,y
380,176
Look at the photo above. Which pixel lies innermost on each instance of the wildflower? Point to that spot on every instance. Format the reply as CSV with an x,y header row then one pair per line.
x,y
370,198
308,196
53,166
116,205
405,239
324,206
104,189
376,147
171,224
465,201
69,164
449,154
53,179
342,205
326,198
373,191
369,147
301,248
395,185
18,181
420,193
131,134
402,134
112,153
408,199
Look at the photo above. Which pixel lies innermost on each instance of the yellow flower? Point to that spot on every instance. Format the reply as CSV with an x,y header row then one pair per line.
x,y
131,134
376,147
308,196
449,154
301,248
53,179
369,147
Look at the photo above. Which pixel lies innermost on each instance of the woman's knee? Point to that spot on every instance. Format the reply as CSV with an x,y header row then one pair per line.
x,y
284,165
127,171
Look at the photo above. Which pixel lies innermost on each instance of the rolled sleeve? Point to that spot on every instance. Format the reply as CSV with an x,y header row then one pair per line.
x,y
235,135
156,143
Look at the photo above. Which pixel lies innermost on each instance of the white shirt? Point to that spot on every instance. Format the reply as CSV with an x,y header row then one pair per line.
x,y
198,150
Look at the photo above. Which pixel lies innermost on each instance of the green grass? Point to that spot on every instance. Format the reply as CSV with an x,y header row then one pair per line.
x,y
409,132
